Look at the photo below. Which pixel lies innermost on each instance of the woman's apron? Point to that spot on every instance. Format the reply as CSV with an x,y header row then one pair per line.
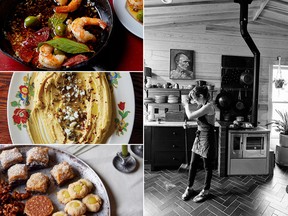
x,y
204,143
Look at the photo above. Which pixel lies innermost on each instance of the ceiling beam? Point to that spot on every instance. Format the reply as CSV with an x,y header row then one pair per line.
x,y
252,28
273,23
262,6
281,7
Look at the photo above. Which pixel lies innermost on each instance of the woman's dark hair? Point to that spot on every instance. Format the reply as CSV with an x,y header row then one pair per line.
x,y
200,90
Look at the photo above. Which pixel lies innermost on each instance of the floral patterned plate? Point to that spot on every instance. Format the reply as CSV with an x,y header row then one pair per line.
x,y
20,104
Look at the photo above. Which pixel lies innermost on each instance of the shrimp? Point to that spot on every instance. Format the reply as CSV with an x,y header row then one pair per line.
x,y
72,6
62,2
47,59
77,28
135,4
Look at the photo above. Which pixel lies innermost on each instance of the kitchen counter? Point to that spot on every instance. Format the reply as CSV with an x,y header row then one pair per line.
x,y
258,129
165,143
191,124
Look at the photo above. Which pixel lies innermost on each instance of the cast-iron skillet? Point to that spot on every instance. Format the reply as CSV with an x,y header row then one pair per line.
x,y
224,100
7,8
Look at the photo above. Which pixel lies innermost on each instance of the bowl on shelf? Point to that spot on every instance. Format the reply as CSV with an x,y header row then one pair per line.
x,y
149,100
173,99
160,98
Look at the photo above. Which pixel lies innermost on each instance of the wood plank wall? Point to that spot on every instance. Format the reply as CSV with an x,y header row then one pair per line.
x,y
208,48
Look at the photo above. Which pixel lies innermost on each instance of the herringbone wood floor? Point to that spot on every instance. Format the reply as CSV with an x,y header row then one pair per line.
x,y
237,195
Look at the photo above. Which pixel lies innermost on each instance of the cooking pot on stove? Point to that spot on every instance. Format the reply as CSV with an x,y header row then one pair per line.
x,y
224,100
239,118
246,77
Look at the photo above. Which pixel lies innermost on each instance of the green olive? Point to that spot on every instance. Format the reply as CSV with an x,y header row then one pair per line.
x,y
140,15
60,29
31,21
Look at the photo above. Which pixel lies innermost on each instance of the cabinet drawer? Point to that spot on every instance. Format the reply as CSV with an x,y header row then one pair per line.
x,y
164,158
168,133
171,145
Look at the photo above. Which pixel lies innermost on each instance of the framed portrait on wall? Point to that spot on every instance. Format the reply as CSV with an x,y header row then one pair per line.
x,y
181,64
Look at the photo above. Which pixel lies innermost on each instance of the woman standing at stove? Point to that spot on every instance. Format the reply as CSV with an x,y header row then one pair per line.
x,y
204,143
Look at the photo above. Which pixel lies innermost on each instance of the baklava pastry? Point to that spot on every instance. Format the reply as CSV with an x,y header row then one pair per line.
x,y
37,158
62,172
38,182
78,190
10,157
93,202
17,173
38,205
75,208
64,196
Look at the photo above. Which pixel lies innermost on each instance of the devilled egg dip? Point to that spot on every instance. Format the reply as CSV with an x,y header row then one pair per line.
x,y
70,108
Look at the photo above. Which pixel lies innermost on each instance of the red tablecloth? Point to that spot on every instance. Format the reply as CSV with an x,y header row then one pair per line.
x,y
124,52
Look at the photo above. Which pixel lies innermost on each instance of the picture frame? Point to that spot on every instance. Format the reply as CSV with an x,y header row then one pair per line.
x,y
181,64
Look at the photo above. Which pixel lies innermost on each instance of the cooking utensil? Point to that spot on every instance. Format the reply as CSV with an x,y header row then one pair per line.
x,y
7,8
246,77
176,86
239,104
224,100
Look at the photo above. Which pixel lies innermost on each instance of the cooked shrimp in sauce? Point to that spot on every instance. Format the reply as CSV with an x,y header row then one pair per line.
x,y
135,8
135,4
34,28
47,59
72,6
77,28
62,2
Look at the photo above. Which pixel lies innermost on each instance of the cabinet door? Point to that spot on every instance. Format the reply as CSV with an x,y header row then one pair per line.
x,y
147,144
167,147
161,135
235,145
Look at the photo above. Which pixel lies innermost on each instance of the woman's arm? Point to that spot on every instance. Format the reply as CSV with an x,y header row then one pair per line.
x,y
206,109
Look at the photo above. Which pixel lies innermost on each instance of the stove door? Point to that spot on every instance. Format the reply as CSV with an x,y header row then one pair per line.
x,y
254,145
236,142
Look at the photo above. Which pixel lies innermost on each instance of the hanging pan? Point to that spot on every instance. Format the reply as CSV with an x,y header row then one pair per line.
x,y
224,100
246,78
239,103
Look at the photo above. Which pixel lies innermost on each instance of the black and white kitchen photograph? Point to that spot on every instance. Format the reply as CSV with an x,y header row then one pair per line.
x,y
215,107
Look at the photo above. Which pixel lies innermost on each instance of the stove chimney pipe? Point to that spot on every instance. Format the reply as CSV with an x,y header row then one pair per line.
x,y
256,53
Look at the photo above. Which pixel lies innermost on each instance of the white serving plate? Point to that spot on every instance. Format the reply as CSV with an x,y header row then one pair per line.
x,y
126,19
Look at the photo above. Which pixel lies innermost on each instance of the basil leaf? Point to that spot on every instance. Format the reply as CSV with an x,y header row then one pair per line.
x,y
57,19
68,46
